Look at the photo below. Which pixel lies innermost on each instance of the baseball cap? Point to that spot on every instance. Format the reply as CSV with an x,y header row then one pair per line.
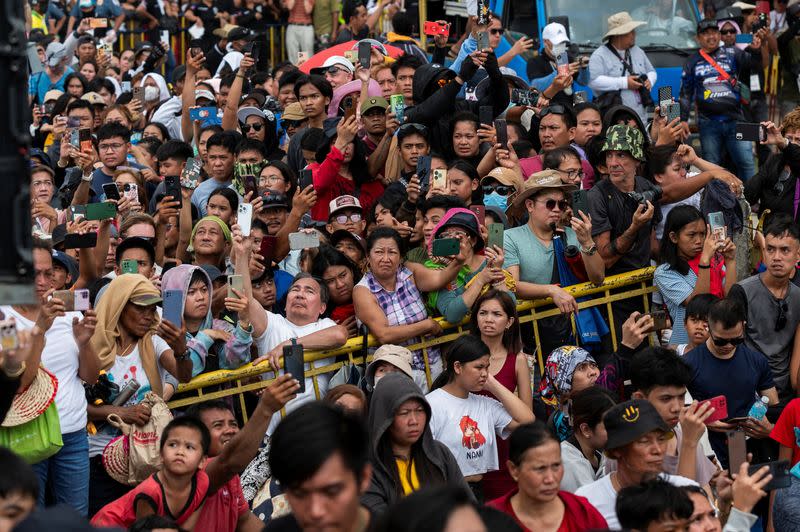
x,y
244,112
67,262
204,94
273,198
334,60
343,234
293,111
396,355
212,271
371,103
555,33
629,421
224,31
707,24
344,202
52,95
55,53
238,34
257,97
93,98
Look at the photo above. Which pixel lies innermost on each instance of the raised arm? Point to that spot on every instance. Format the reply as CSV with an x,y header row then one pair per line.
x,y
229,121
371,314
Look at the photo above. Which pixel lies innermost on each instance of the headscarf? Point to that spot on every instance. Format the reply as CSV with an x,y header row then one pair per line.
x,y
721,23
226,231
557,379
109,310
178,278
163,90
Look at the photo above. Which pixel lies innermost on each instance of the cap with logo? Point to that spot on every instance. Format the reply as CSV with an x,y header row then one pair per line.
x,y
378,102
93,98
707,24
344,202
273,198
55,52
621,137
555,33
627,422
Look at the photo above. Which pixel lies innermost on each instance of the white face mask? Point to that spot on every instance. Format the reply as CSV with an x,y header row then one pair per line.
x,y
151,93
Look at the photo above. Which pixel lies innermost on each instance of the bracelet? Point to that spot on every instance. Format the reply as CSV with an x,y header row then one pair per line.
x,y
591,250
86,178
15,374
183,356
704,266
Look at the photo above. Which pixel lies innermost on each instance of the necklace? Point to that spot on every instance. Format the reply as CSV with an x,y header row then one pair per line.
x,y
125,349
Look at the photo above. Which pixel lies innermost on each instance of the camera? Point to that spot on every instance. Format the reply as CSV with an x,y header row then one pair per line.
x,y
649,195
644,94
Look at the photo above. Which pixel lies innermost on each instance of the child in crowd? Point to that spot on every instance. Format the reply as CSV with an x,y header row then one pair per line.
x,y
178,490
696,322
19,489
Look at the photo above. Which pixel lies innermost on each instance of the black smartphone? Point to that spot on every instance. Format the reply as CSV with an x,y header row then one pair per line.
x,y
737,450
364,54
111,191
673,111
248,48
306,179
486,114
501,129
659,320
523,97
579,203
294,364
250,185
172,187
781,478
75,241
751,132
424,171
195,47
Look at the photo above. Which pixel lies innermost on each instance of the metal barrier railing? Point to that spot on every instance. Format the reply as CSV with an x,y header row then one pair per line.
x,y
245,379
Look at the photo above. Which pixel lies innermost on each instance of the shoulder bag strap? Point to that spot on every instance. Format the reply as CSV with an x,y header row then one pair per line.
x,y
722,73
625,64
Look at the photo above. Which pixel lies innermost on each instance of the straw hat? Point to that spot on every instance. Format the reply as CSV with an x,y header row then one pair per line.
x,y
621,24
32,403
115,459
544,180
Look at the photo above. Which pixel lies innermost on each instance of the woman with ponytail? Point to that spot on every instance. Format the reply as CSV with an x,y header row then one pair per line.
x,y
467,422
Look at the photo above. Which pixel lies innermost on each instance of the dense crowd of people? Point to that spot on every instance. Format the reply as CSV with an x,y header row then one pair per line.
x,y
217,212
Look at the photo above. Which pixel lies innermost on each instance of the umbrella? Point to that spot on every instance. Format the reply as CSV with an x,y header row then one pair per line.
x,y
316,60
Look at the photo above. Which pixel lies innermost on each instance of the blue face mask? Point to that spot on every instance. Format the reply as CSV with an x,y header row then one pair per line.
x,y
496,200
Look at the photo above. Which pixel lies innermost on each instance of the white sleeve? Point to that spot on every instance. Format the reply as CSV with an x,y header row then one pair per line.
x,y
500,416
160,346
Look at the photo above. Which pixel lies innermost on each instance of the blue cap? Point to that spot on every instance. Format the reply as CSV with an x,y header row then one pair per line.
x,y
66,262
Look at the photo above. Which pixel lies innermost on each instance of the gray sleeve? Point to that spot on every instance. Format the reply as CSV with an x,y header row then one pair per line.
x,y
739,521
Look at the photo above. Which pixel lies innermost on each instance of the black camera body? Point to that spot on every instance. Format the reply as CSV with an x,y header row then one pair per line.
x,y
648,195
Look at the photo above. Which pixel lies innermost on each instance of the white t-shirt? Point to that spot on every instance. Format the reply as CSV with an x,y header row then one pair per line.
x,y
602,495
60,357
468,427
280,329
578,471
124,369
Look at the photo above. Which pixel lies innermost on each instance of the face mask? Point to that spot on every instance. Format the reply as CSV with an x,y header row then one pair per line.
x,y
151,93
496,200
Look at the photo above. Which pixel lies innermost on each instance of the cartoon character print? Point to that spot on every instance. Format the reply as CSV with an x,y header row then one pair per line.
x,y
472,439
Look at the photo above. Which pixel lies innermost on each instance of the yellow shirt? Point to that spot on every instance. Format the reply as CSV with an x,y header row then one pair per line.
x,y
402,470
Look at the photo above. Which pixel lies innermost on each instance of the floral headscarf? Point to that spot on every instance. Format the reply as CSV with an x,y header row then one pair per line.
x,y
557,378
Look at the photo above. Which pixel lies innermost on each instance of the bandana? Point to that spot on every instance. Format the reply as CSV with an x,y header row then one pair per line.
x,y
557,378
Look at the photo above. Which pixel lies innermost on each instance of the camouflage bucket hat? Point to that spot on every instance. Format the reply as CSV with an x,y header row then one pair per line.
x,y
621,137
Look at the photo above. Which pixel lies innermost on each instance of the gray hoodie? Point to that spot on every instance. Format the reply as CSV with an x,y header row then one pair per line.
x,y
392,391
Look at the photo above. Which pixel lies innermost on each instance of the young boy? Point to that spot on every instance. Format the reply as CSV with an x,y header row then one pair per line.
x,y
19,489
654,506
696,322
178,490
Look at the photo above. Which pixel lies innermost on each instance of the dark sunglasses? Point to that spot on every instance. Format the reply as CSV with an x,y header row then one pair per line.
x,y
720,342
335,70
553,110
728,32
551,204
255,127
496,31
292,123
412,125
503,190
780,322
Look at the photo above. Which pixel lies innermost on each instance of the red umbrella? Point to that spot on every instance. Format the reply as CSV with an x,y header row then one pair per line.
x,y
316,60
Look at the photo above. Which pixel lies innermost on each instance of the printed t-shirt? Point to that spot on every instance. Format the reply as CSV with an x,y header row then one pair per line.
x,y
787,429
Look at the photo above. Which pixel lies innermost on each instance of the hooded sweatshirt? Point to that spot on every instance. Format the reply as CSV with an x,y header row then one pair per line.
x,y
390,392
236,351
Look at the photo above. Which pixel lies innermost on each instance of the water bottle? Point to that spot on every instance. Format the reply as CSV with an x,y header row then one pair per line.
x,y
126,392
759,408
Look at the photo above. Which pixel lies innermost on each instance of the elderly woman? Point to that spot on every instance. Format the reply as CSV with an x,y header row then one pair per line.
x,y
210,240
133,344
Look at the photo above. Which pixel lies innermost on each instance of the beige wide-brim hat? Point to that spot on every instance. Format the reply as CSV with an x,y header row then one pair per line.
x,y
544,180
396,355
621,23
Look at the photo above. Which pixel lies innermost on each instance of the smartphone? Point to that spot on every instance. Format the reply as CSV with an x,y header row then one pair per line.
x,y
75,139
172,187
67,297
306,179
244,218
523,97
397,102
439,177
85,139
480,213
751,132
580,97
173,307
129,266
579,203
98,23
744,38
424,170
349,106
664,98
249,181
301,240
34,62
202,113
76,241
111,190
126,86
446,247
737,450
195,47
267,249
672,111
235,282
302,56
434,28
131,191
716,220
501,129
364,54
483,13
720,405
294,365
779,469
76,212
562,63
138,94
101,211
8,335
190,176
483,40
659,320
248,48
73,122
81,299
496,232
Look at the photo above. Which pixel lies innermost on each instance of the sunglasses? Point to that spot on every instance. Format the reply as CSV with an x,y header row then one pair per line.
x,y
550,204
292,123
256,127
780,322
335,70
720,342
728,32
503,190
342,218
553,110
496,31
412,125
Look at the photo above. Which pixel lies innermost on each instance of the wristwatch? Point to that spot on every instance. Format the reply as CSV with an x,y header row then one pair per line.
x,y
183,356
591,250
87,178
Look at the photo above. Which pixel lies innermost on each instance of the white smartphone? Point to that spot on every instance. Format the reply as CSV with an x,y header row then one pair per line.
x,y
245,218
303,240
82,299
131,191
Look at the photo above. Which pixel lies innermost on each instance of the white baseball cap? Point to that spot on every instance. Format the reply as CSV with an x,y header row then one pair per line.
x,y
335,60
555,33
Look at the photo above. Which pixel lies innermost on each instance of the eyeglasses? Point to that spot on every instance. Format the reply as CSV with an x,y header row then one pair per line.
x,y
780,322
454,234
551,204
342,218
502,190
110,147
496,31
256,127
572,174
292,123
728,32
267,179
553,110
720,342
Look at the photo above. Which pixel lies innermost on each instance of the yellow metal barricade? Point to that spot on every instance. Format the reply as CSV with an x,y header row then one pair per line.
x,y
636,284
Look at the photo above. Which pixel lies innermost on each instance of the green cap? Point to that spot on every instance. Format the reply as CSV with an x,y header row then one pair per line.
x,y
621,137
372,103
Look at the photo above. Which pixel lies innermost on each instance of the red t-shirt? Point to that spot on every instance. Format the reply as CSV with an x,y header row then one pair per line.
x,y
579,514
787,430
222,510
329,185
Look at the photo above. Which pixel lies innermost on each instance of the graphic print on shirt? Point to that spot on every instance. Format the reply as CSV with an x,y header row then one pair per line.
x,y
472,437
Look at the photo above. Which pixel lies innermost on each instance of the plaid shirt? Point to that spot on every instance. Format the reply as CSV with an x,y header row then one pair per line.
x,y
404,306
